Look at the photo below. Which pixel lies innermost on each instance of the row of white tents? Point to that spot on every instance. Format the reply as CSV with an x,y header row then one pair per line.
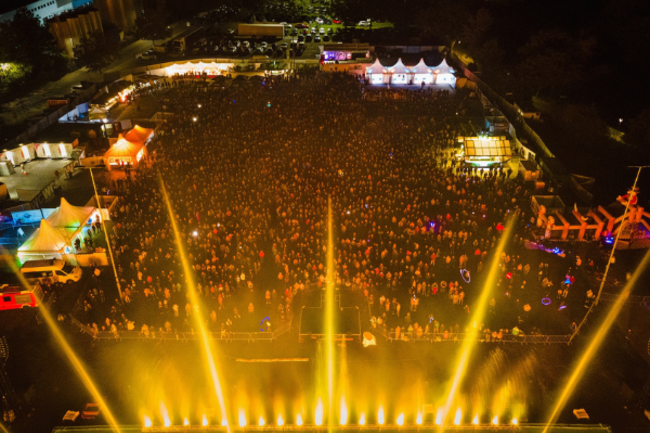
x,y
418,74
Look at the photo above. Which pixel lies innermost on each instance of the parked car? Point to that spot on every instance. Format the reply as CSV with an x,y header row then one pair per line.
x,y
147,55
294,32
363,24
336,21
317,38
328,21
319,20
302,26
322,30
330,31
326,38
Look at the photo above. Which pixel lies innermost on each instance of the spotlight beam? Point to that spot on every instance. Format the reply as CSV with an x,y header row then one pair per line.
x,y
67,349
595,343
191,289
329,306
477,320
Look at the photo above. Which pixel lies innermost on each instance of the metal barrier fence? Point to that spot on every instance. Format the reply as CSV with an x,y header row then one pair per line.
x,y
612,297
169,336
439,337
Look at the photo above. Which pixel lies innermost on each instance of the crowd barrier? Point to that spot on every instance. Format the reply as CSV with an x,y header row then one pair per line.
x,y
440,337
613,297
175,336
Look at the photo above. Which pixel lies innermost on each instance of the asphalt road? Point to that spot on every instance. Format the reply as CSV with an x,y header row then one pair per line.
x,y
31,105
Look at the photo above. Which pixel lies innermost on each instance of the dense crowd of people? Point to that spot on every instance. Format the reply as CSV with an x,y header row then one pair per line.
x,y
249,168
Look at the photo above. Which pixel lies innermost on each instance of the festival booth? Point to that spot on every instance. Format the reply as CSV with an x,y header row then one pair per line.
x,y
96,113
485,151
400,74
444,74
55,151
124,153
48,242
422,73
72,217
19,155
198,69
377,74
139,134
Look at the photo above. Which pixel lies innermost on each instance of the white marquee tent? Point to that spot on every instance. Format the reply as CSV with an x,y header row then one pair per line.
x,y
69,216
400,74
48,242
377,74
422,73
444,74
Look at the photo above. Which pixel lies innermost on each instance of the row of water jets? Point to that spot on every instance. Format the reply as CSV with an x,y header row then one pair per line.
x,y
448,413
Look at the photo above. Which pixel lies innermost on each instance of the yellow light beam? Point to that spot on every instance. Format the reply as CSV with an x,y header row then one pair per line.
x,y
108,243
194,299
477,319
595,343
67,350
329,306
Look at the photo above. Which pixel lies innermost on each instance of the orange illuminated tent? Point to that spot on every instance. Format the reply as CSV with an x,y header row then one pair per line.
x,y
125,153
139,133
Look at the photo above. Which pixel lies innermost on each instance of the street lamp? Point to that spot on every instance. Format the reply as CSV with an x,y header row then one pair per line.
x,y
194,119
620,120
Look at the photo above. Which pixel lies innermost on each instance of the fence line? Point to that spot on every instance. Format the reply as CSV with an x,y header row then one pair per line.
x,y
613,297
169,336
439,337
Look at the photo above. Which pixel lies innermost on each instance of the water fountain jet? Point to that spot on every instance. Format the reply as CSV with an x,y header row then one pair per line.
x,y
67,349
581,366
480,310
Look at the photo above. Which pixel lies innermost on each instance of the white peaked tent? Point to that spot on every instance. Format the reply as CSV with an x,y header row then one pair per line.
x,y
444,74
96,113
422,73
48,241
68,216
376,73
400,74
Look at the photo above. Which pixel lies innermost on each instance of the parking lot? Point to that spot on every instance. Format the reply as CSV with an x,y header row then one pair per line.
x,y
303,38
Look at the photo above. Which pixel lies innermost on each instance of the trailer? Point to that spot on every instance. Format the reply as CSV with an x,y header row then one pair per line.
x,y
260,30
184,42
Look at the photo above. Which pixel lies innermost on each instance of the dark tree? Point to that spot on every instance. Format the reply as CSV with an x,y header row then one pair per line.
x,y
96,52
25,41
553,60
638,133
152,26
443,19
